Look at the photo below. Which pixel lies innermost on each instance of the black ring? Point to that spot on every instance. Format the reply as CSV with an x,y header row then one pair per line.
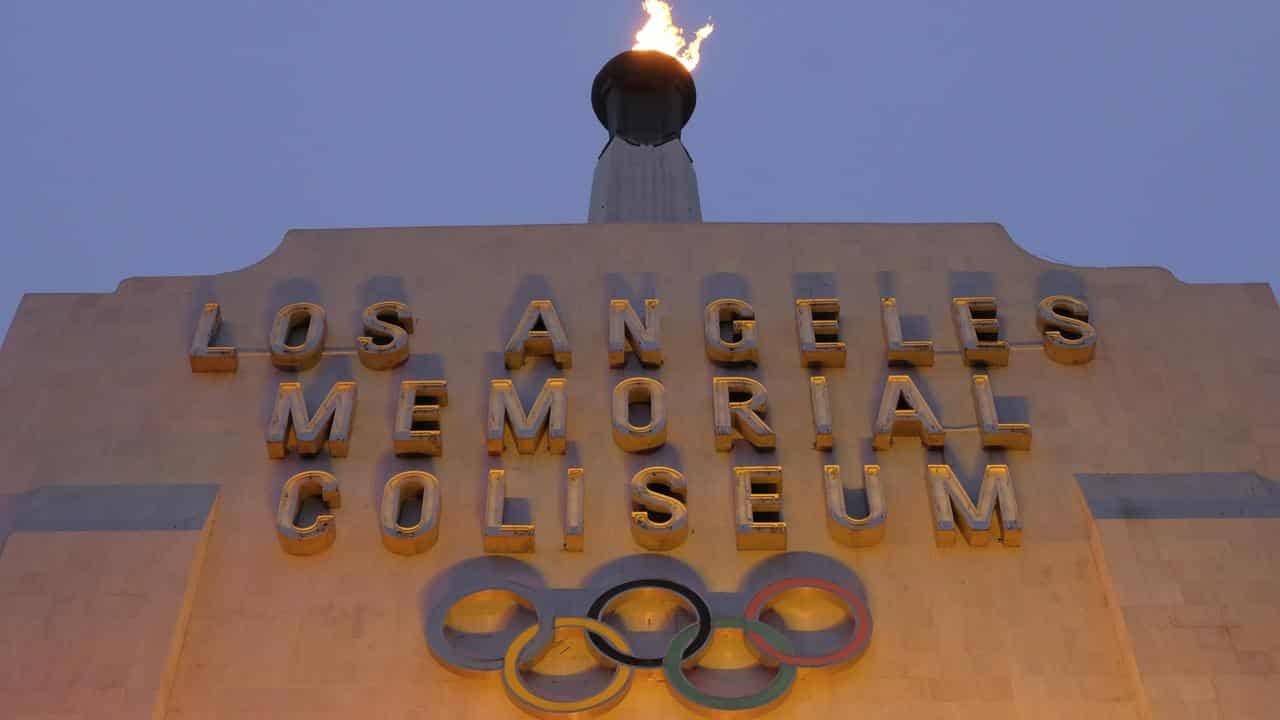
x,y
699,606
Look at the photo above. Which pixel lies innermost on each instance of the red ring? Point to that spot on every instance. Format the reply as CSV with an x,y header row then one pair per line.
x,y
858,611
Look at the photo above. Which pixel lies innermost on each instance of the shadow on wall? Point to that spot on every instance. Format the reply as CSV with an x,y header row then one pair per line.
x,y
972,284
914,327
724,285
1059,282
814,285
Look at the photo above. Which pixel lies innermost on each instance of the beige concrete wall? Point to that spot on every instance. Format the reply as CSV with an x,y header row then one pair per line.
x,y
92,623
1200,600
1185,381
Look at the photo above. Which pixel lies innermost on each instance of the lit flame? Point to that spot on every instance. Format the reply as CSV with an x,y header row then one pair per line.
x,y
660,34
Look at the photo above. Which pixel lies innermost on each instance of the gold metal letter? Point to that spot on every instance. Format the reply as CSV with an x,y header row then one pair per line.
x,y
899,351
321,533
420,536
548,413
1059,316
292,427
659,533
978,329
574,530
947,495
759,489
857,532
742,319
417,430
210,358
1015,436
740,419
830,350
626,332
633,438
500,537
904,412
306,355
391,322
539,333
820,400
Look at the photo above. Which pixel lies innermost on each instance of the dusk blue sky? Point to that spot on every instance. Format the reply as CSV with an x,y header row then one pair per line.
x,y
152,138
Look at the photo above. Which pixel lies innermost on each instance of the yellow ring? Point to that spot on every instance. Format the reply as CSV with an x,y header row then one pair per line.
x,y
603,700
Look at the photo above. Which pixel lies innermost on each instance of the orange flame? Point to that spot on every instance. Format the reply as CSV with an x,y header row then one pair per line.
x,y
659,33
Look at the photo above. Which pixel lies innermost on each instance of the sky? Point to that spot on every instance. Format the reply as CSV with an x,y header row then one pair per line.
x,y
160,138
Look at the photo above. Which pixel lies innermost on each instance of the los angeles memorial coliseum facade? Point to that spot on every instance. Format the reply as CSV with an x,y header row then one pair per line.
x,y
643,466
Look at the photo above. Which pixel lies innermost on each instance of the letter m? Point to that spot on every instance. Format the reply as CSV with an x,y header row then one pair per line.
x,y
547,414
292,427
953,508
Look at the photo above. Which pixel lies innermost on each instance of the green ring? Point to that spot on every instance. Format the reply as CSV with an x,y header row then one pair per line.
x,y
776,689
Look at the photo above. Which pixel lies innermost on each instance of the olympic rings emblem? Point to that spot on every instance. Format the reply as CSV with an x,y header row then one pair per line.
x,y
563,609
